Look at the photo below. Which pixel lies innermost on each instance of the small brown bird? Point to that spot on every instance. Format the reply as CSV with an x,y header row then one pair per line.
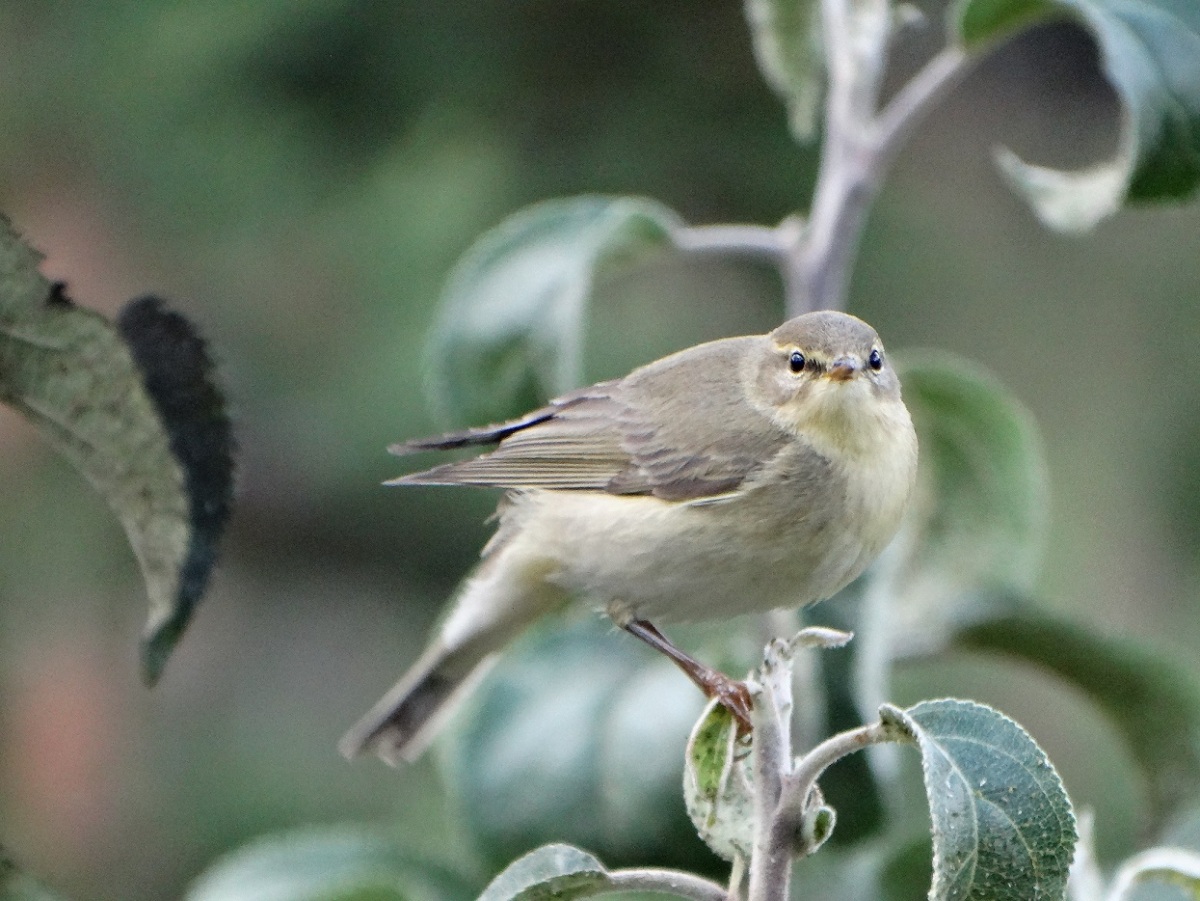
x,y
738,476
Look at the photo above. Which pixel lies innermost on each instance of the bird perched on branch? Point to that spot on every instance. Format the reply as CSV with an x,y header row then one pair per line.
x,y
738,476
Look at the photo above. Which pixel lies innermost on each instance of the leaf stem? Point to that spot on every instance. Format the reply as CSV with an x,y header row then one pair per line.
x,y
670,882
935,80
798,786
750,240
786,791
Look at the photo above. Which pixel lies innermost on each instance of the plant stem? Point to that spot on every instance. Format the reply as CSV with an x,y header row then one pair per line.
x,y
858,147
771,863
785,789
670,882
855,36
857,150
1086,881
784,837
737,875
816,272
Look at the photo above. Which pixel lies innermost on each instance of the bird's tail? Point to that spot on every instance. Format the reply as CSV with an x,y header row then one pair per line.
x,y
401,726
506,593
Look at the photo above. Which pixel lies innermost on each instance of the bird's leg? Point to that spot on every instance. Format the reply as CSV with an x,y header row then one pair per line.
x,y
732,694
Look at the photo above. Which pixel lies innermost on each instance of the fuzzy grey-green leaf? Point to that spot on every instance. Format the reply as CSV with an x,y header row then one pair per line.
x,y
1003,828
550,873
510,325
1150,53
132,409
718,789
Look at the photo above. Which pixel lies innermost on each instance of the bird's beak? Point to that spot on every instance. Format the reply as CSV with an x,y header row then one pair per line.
x,y
842,369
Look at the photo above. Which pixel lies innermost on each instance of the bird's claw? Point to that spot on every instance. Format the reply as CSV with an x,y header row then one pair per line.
x,y
735,697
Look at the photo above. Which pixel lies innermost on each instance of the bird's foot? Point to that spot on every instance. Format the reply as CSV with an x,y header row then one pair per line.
x,y
733,694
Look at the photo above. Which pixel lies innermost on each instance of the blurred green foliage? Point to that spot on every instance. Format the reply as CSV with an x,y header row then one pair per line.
x,y
300,177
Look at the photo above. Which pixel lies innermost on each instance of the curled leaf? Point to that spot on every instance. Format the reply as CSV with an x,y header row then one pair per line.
x,y
1148,50
1176,867
133,409
718,786
563,873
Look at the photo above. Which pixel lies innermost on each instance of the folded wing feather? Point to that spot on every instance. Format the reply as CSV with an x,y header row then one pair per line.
x,y
679,429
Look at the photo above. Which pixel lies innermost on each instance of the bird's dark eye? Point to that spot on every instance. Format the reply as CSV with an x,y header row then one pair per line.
x,y
796,361
876,360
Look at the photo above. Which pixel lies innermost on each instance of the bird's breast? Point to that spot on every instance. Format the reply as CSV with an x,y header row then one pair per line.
x,y
798,533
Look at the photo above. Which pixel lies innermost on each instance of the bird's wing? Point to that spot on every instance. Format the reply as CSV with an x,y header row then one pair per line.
x,y
479,435
566,444
678,429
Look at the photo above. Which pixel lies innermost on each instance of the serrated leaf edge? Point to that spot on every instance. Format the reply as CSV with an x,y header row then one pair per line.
x,y
936,892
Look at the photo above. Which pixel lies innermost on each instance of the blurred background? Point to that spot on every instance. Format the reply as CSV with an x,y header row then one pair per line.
x,y
299,176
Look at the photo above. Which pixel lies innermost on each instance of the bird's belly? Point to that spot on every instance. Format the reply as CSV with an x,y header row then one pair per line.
x,y
643,557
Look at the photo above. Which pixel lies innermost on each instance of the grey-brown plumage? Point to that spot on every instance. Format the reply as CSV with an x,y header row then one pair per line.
x,y
736,476
628,436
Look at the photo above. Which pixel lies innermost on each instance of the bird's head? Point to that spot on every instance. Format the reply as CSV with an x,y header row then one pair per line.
x,y
827,372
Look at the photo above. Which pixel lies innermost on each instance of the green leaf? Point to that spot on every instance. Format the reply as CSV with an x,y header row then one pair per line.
x,y
509,330
576,736
1153,704
1150,52
16,886
558,872
327,864
978,516
980,22
134,410
787,46
1003,829
718,784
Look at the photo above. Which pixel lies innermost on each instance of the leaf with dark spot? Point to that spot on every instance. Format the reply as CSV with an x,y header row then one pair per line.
x,y
134,409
